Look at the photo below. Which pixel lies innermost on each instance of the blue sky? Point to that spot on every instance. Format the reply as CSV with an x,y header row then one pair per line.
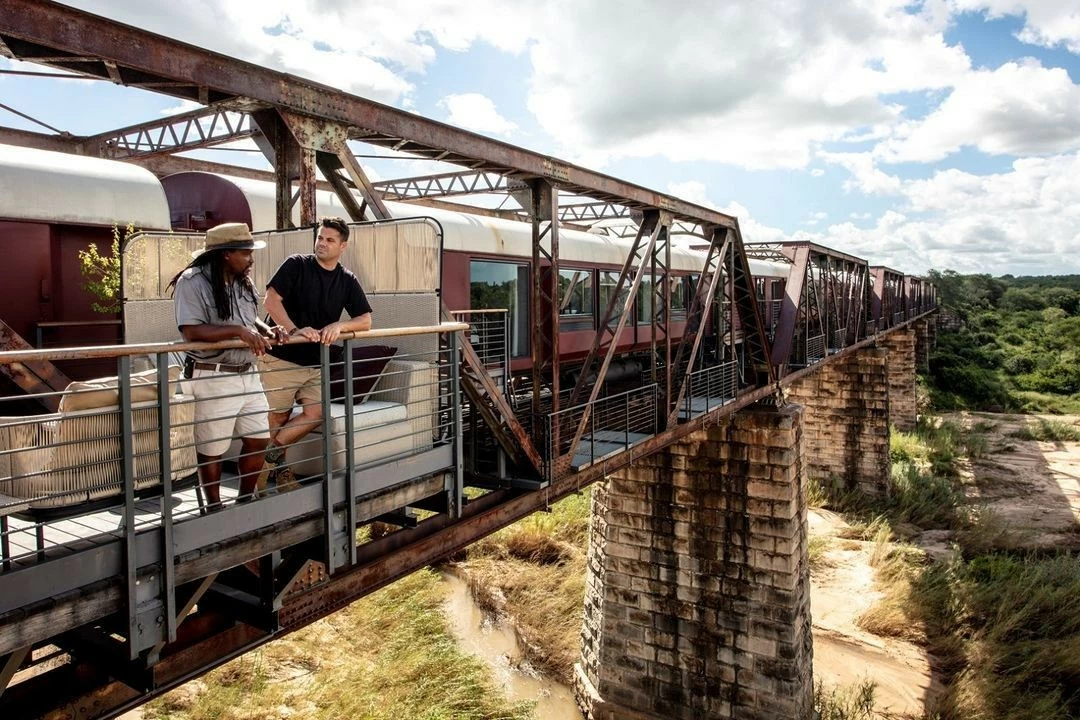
x,y
942,133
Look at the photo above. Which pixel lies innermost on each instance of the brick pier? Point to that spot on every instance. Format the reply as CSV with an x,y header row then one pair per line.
x,y
697,601
847,404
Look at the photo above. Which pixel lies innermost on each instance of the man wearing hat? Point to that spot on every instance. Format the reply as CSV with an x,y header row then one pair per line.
x,y
215,300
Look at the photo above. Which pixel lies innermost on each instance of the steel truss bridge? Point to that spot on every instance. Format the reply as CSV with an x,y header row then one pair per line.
x,y
95,630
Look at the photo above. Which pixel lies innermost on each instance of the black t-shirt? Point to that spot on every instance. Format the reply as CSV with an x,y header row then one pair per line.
x,y
314,297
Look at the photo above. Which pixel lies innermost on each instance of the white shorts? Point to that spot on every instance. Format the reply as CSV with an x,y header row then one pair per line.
x,y
227,405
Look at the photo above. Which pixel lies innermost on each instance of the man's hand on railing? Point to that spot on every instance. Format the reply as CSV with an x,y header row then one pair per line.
x,y
308,333
258,343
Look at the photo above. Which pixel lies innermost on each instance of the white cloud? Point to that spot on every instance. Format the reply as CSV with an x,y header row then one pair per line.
x,y
865,176
793,76
860,216
476,112
1019,108
817,172
1048,23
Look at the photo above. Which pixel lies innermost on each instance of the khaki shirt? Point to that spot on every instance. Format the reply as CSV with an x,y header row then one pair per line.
x,y
194,305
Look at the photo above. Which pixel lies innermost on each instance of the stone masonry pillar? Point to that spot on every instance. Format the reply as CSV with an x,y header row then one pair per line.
x,y
901,347
846,406
923,341
697,600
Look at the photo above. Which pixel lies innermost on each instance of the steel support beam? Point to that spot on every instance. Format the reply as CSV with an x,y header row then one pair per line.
x,y
654,225
712,273
59,36
544,297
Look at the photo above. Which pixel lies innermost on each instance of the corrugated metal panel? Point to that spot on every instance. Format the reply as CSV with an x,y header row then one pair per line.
x,y
61,188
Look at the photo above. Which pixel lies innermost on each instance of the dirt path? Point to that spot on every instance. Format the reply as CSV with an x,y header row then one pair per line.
x,y
844,654
1032,486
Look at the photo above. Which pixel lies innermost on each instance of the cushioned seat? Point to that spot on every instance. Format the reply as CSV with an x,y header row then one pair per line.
x,y
76,455
381,431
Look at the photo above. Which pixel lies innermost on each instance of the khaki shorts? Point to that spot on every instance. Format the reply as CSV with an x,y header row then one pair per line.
x,y
227,405
287,383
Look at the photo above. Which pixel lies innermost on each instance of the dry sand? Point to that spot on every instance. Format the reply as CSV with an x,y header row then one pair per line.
x,y
1033,486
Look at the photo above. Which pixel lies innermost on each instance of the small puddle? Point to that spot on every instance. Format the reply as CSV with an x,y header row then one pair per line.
x,y
497,646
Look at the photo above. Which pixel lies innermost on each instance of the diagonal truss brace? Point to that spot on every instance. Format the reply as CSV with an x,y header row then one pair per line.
x,y
703,304
652,224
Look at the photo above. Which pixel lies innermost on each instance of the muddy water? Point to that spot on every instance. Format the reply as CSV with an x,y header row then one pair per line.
x,y
497,646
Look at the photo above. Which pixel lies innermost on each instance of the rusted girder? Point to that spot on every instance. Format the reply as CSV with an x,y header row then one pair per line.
x,y
544,295
652,226
467,182
59,36
699,314
205,127
888,297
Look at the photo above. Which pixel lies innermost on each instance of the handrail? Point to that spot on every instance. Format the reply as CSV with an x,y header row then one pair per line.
x,y
478,312
105,351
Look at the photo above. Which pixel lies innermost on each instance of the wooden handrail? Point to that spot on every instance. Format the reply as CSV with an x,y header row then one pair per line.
x,y
106,351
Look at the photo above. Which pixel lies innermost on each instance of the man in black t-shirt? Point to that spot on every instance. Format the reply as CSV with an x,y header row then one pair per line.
x,y
306,297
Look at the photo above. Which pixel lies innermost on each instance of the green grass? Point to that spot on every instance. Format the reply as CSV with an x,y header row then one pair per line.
x,y
386,657
1048,431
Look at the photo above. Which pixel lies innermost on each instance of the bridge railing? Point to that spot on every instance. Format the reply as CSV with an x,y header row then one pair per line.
x,y
489,335
815,349
709,388
615,423
150,451
839,340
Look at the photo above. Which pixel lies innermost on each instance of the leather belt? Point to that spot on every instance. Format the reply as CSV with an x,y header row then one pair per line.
x,y
221,367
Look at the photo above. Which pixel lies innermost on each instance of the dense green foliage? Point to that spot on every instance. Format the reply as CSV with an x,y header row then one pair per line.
x,y
1016,347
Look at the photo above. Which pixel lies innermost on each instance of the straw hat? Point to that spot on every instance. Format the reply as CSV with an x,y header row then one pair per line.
x,y
230,236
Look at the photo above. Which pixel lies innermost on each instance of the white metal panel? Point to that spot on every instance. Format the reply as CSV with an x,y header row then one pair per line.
x,y
61,188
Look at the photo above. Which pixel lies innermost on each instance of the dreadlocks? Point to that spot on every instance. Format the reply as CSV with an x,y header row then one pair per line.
x,y
213,262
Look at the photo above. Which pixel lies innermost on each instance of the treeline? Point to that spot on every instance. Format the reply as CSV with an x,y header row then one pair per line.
x,y
1012,343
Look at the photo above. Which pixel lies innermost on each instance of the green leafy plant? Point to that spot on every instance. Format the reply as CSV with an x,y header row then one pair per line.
x,y
102,273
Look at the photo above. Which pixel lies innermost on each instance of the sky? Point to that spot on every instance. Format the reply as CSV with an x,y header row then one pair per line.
x,y
940,134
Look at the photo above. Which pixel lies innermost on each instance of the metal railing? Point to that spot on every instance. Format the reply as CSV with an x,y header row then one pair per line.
x,y
616,422
709,388
839,340
136,457
898,317
489,334
815,349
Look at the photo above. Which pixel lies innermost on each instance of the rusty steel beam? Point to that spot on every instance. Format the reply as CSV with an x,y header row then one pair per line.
x,y
704,296
52,34
467,182
202,128
744,300
794,290
544,297
654,224
41,141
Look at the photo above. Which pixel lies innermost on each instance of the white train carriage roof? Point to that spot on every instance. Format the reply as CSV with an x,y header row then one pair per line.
x,y
491,236
58,187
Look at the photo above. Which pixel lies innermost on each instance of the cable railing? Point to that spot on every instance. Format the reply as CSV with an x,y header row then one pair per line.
x,y
815,349
138,452
709,388
489,335
615,423
839,340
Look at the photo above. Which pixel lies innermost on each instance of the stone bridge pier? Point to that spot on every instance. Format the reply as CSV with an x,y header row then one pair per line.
x,y
697,601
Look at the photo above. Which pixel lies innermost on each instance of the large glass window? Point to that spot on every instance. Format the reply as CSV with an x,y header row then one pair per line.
x,y
576,295
503,285
608,280
679,291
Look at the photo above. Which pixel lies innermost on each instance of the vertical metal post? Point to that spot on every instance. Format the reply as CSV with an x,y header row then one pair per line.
x,y
328,468
123,375
455,403
350,454
308,212
168,570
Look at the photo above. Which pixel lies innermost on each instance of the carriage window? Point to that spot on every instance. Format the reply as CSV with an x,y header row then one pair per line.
x,y
608,280
678,296
503,285
576,294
